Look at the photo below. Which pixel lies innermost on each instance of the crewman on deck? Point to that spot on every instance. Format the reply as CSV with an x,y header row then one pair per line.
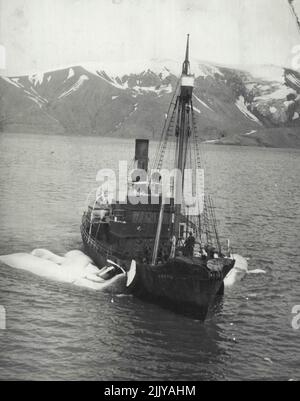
x,y
210,250
189,245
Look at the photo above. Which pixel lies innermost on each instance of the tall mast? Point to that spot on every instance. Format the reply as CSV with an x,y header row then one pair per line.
x,y
182,110
183,131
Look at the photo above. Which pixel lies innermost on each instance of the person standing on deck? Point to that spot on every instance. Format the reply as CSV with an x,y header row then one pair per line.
x,y
189,245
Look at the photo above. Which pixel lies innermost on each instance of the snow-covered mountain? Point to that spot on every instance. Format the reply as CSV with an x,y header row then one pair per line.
x,y
232,106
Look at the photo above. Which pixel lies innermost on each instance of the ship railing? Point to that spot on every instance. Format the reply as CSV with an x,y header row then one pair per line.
x,y
93,242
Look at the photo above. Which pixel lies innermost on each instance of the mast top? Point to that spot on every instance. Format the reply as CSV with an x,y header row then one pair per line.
x,y
186,64
187,79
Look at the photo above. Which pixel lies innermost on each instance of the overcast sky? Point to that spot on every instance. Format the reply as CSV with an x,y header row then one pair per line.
x,y
40,35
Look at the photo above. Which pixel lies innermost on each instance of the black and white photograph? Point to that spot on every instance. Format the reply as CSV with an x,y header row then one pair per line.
x,y
150,197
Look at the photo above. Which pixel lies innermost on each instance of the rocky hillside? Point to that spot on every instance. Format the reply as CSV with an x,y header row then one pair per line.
x,y
257,107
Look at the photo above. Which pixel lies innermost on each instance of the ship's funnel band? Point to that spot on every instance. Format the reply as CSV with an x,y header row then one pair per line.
x,y
142,153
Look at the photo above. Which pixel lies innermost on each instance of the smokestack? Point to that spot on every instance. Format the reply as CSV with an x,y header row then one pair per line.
x,y
142,153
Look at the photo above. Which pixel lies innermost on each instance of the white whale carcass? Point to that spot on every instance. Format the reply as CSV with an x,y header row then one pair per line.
x,y
74,267
77,268
239,271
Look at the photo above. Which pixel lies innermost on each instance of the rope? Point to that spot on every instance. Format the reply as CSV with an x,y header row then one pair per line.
x,y
214,223
165,127
199,158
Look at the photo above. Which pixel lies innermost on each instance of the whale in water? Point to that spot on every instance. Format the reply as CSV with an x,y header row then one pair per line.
x,y
77,268
239,271
74,267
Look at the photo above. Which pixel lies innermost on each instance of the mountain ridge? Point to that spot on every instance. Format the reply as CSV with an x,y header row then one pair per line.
x,y
231,105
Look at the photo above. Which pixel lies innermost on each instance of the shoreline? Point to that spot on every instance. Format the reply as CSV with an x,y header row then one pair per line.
x,y
268,138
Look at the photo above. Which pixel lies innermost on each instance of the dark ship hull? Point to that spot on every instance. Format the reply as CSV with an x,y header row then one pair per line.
x,y
184,285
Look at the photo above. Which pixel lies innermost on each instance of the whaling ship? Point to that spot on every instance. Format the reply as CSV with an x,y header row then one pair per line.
x,y
171,256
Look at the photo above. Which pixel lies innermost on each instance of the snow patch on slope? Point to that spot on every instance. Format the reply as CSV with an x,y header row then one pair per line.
x,y
203,103
36,78
30,94
117,69
153,89
163,68
114,81
164,73
206,70
240,104
250,133
74,87
34,96
71,73
135,107
119,83
35,100
197,110
11,81
165,89
17,81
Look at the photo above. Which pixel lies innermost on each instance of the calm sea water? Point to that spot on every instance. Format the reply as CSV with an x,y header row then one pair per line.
x,y
57,331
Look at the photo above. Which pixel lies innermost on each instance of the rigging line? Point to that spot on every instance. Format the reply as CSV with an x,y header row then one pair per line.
x,y
130,165
200,157
190,151
206,229
214,221
194,137
209,222
197,155
194,175
198,218
169,131
163,139
196,183
199,144
199,223
189,166
166,124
